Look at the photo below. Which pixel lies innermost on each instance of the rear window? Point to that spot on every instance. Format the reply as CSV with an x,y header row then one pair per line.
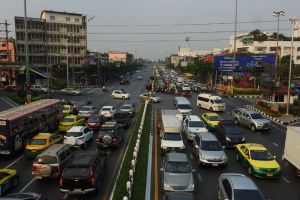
x,y
126,107
120,115
172,136
105,109
77,171
183,106
45,160
38,142
68,120
73,134
94,119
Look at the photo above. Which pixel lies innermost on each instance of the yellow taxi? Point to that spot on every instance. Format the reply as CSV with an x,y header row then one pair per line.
x,y
9,179
258,160
211,120
67,110
70,121
40,142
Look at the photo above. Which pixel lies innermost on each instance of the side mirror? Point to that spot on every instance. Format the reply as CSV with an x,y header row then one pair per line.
x,y
193,170
161,169
196,146
274,157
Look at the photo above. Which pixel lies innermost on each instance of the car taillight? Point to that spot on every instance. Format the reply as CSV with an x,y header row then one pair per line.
x,y
34,168
114,140
61,181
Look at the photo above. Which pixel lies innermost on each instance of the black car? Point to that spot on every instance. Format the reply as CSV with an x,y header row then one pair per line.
x,y
179,196
110,135
229,133
124,82
84,174
24,196
122,118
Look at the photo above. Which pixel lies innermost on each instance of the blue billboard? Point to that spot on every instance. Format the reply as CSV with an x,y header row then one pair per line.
x,y
243,63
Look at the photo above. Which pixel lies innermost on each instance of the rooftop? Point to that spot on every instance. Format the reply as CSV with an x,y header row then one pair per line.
x,y
177,157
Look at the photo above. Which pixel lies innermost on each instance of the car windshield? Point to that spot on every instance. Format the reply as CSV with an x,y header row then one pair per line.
x,y
172,136
105,109
120,115
232,130
178,167
68,120
218,101
86,108
77,171
73,134
261,155
248,194
184,106
153,95
257,116
106,132
94,119
126,107
211,146
214,118
196,124
42,159
38,142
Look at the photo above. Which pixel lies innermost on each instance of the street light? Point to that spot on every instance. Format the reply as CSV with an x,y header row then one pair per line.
x,y
293,21
277,14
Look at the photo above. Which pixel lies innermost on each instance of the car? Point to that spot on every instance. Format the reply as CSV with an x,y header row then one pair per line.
x,y
211,120
24,196
40,142
208,150
70,121
119,94
128,108
152,97
258,160
185,87
179,196
38,88
84,173
95,121
229,133
109,135
238,187
192,125
124,82
9,179
78,136
139,78
67,109
86,111
12,88
107,111
122,118
177,173
253,120
70,91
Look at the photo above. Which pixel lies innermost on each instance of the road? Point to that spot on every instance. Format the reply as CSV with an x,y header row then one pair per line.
x,y
206,177
50,187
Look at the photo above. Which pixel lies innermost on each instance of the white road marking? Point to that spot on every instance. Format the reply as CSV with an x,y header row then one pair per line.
x,y
66,196
275,126
275,144
9,103
292,124
28,184
14,162
286,180
199,177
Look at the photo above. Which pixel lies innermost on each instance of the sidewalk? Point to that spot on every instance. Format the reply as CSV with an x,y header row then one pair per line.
x,y
283,119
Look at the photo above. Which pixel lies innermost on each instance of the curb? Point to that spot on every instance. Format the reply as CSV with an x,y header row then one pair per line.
x,y
247,96
272,118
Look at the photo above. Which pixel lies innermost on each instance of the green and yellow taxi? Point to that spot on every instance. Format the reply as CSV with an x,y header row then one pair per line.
x,y
40,142
70,121
9,179
258,160
67,110
211,120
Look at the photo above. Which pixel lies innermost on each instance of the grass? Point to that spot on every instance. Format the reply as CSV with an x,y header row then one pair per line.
x,y
246,91
21,100
120,190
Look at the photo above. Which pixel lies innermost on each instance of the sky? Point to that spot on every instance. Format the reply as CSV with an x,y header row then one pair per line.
x,y
157,28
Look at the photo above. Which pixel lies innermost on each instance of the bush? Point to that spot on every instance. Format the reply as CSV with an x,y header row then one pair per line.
x,y
246,91
268,111
58,84
22,99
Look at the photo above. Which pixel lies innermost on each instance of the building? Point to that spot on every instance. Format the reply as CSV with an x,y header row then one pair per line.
x,y
297,30
245,43
55,37
119,56
7,50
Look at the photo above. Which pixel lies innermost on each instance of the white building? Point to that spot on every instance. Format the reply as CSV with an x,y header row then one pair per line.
x,y
245,43
187,52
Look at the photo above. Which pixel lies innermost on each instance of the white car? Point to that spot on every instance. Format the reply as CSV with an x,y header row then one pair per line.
x,y
70,91
118,94
87,111
107,111
78,136
192,125
186,87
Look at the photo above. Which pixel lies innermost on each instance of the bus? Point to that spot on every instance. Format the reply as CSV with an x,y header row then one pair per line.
x,y
18,125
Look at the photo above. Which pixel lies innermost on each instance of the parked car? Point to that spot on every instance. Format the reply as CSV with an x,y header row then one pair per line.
x,y
211,120
95,121
9,179
24,196
40,142
258,160
177,173
12,88
70,121
52,161
86,111
208,150
139,78
38,88
122,118
193,125
124,82
109,135
119,94
152,97
84,174
179,196
251,119
128,108
237,187
229,133
78,136
70,91
107,111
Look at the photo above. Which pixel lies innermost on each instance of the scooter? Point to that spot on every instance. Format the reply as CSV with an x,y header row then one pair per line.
x,y
104,89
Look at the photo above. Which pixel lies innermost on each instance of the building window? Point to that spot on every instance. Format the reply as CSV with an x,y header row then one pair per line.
x,y
298,48
52,17
68,19
279,98
272,48
76,19
298,57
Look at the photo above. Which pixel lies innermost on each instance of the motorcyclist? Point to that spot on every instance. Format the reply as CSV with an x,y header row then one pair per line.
x,y
89,102
104,88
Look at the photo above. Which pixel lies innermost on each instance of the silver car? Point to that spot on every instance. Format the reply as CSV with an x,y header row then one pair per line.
x,y
208,150
128,108
177,173
237,187
152,97
87,111
70,91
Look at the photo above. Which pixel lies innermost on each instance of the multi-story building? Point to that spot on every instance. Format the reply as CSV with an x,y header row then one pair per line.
x,y
7,50
55,37
119,56
245,43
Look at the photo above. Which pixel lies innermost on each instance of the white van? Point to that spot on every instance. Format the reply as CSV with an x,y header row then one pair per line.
x,y
210,102
183,105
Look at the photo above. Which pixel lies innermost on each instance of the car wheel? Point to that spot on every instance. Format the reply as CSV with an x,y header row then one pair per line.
x,y
152,100
211,109
123,98
84,146
249,171
236,121
15,182
253,128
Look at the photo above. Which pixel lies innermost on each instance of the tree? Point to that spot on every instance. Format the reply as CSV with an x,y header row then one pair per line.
x,y
283,69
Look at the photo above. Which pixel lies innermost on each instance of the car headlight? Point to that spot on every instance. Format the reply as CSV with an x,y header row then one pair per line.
x,y
228,139
224,157
204,157
256,168
167,186
260,124
191,186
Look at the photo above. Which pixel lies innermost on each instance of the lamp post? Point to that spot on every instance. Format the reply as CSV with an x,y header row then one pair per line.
x,y
293,21
28,96
277,14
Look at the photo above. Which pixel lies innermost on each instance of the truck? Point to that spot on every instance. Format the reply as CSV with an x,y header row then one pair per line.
x,y
170,129
292,148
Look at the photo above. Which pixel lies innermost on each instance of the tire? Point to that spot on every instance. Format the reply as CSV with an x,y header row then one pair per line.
x,y
84,146
253,128
249,171
123,98
236,121
113,96
152,101
211,109
200,106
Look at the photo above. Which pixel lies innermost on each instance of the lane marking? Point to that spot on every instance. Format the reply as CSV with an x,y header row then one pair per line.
x,y
28,184
275,126
199,177
9,103
275,144
14,162
66,196
155,160
286,180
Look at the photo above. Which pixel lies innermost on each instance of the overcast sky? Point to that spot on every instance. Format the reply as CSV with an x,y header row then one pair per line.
x,y
171,21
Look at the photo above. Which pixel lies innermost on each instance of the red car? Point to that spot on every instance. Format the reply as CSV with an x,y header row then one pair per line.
x,y
95,121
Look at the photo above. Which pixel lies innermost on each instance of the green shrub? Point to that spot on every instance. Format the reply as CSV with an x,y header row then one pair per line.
x,y
267,110
246,91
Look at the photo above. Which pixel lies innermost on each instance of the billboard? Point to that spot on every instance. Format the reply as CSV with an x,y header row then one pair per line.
x,y
224,64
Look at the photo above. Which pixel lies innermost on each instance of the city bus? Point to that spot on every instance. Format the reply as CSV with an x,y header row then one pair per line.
x,y
18,125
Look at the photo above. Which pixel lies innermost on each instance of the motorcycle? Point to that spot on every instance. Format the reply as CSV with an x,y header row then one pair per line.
x,y
104,89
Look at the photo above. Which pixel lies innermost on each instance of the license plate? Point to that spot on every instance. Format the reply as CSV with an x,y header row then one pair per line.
x,y
38,177
214,164
77,190
269,175
33,151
